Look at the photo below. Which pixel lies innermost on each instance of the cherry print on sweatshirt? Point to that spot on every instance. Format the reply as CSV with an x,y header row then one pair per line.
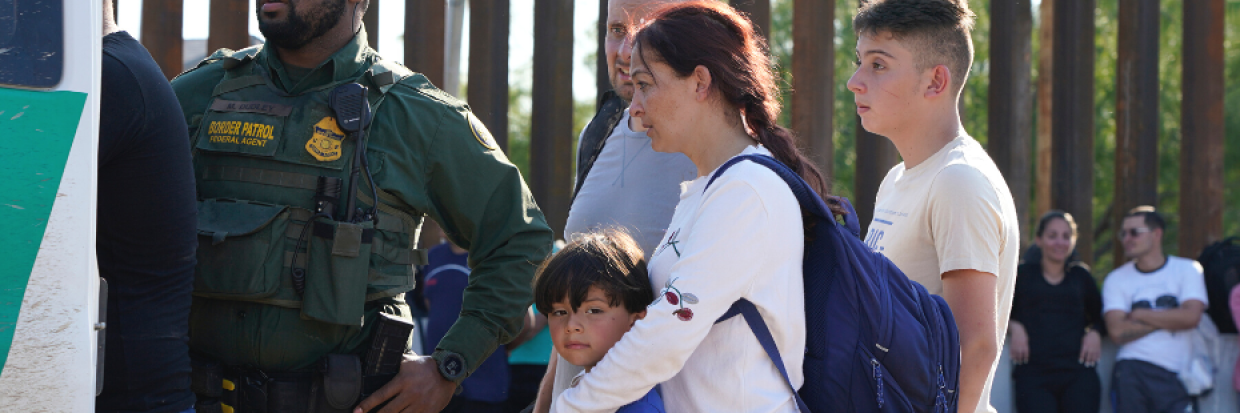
x,y
677,298
671,242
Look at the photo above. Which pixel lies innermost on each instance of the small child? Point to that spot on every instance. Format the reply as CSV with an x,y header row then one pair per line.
x,y
592,292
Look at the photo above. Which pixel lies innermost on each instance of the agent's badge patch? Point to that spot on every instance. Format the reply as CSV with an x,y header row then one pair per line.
x,y
324,145
481,133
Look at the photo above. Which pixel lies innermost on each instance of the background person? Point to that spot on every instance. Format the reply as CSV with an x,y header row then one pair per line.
x,y
1056,313
945,215
146,235
446,277
704,81
1147,302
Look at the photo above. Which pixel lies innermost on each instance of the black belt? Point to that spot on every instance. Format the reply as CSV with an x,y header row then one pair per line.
x,y
339,383
223,389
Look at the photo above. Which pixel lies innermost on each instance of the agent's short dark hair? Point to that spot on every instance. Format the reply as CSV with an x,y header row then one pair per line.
x,y
1051,216
1153,219
935,31
608,259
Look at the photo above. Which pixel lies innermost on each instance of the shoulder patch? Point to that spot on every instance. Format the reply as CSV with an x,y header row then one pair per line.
x,y
324,144
480,132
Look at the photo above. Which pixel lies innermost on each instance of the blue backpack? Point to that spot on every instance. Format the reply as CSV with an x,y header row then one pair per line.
x,y
875,341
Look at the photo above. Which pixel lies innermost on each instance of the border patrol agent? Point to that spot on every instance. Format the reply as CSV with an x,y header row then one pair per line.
x,y
296,309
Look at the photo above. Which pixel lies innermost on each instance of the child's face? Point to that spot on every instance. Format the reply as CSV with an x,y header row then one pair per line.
x,y
584,336
887,87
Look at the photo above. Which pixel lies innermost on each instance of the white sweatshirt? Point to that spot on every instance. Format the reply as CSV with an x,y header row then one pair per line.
x,y
743,237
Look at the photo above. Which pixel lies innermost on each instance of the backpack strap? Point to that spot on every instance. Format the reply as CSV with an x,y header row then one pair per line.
x,y
810,202
756,324
610,111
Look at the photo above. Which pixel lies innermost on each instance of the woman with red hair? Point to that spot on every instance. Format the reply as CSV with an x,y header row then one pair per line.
x,y
705,88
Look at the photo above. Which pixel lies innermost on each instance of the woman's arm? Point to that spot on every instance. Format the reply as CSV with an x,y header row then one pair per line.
x,y
1091,342
1018,336
1093,302
718,263
1020,342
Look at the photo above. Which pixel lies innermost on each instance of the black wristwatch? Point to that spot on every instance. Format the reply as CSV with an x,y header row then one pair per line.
x,y
451,365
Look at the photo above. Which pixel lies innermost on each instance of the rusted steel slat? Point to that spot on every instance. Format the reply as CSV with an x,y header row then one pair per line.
x,y
161,34
1201,114
1136,111
1011,100
1042,180
424,38
371,21
602,82
813,75
230,25
759,11
551,123
488,66
1072,162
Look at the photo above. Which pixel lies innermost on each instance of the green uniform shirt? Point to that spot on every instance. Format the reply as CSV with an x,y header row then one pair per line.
x,y
430,156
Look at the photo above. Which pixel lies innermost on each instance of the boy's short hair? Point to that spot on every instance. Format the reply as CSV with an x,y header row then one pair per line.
x,y
1152,218
935,31
608,259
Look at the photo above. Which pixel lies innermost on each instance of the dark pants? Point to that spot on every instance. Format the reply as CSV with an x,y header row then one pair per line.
x,y
1058,391
1140,387
462,405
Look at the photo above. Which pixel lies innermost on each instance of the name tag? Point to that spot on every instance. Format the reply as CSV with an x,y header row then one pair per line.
x,y
253,106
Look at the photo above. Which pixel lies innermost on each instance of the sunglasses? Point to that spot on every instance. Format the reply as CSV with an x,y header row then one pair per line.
x,y
1133,232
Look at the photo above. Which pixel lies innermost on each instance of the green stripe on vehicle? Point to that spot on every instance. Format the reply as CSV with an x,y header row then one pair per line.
x,y
36,132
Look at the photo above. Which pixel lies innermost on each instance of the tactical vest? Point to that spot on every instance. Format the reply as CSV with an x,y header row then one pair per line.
x,y
258,156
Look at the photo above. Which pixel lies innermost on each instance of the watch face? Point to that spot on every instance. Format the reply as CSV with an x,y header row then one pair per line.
x,y
453,365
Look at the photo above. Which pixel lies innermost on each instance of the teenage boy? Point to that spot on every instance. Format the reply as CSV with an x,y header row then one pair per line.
x,y
944,216
1146,303
592,292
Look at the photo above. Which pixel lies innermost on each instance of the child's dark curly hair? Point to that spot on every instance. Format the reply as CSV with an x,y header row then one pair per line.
x,y
608,259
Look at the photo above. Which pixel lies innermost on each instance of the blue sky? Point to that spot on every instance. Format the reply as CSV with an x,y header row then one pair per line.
x,y
391,25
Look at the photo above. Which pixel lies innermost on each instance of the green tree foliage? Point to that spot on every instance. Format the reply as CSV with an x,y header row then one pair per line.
x,y
1231,128
519,111
844,119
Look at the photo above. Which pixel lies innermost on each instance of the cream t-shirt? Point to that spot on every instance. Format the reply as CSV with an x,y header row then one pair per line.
x,y
951,212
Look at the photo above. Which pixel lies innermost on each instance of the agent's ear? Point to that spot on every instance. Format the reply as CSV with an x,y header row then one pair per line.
x,y
940,82
701,82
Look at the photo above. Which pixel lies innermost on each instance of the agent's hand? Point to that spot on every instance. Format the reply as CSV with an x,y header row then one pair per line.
x,y
417,388
1091,348
1020,343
